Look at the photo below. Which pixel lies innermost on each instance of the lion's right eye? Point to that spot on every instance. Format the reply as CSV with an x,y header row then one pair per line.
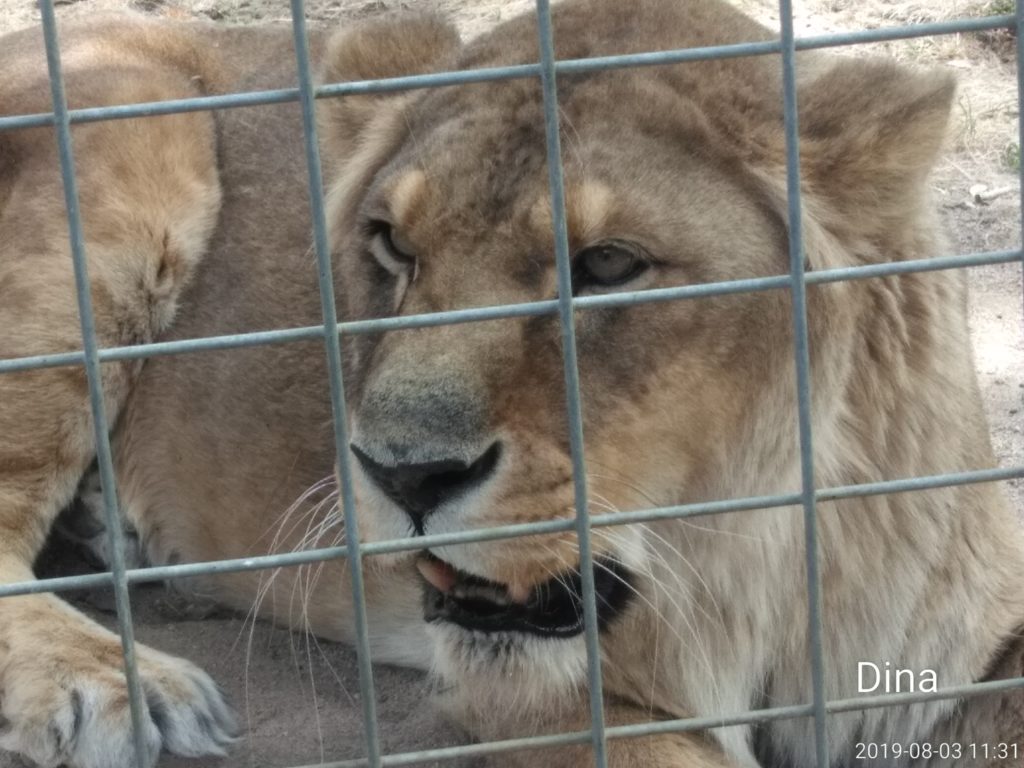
x,y
390,249
607,265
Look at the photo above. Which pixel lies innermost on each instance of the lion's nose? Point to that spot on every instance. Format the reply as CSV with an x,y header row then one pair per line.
x,y
420,488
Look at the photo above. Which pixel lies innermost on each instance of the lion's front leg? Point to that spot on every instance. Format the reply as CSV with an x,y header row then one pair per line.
x,y
149,197
62,677
64,693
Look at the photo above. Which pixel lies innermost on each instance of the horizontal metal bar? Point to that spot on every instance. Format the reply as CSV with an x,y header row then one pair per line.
x,y
569,66
164,348
906,32
445,754
505,311
266,338
924,483
154,108
656,727
275,96
391,546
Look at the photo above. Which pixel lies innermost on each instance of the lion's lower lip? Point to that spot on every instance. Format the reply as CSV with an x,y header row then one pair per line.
x,y
554,609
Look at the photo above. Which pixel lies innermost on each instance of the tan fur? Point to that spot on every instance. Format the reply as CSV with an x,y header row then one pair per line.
x,y
149,195
683,401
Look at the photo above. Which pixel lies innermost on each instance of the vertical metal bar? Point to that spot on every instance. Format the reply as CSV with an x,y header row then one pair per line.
x,y
803,385
332,342
572,377
1020,118
92,369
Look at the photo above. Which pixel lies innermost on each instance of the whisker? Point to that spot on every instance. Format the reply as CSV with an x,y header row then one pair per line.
x,y
307,509
686,616
654,503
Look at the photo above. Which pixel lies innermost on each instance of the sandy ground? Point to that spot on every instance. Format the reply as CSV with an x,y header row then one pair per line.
x,y
299,700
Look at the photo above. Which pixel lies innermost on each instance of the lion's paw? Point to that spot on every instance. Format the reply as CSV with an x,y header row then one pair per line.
x,y
65,701
187,707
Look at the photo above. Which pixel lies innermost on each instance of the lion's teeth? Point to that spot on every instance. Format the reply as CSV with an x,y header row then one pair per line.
x,y
519,594
477,592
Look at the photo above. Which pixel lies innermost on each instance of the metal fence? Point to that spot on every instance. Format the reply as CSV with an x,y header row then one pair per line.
x,y
333,332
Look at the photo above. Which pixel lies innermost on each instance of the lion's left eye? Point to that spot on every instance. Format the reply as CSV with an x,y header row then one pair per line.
x,y
389,248
607,265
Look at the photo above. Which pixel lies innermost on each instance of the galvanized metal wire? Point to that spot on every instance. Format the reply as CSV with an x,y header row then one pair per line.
x,y
566,316
569,66
526,309
101,428
333,332
332,342
801,353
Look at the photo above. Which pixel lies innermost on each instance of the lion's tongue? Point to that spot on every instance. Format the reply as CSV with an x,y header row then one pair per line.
x,y
445,578
438,574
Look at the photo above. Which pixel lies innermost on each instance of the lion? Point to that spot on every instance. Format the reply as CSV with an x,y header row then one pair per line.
x,y
198,224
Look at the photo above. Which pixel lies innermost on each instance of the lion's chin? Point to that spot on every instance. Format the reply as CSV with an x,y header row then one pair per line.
x,y
553,609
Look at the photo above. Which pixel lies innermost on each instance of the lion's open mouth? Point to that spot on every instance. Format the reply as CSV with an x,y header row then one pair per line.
x,y
552,609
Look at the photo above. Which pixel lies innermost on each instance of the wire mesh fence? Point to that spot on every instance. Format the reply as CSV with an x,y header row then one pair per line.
x,y
333,334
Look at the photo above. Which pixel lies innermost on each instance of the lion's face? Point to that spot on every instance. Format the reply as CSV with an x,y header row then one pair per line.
x,y
444,204
465,427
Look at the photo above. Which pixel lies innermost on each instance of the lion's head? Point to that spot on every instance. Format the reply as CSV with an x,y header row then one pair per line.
x,y
674,176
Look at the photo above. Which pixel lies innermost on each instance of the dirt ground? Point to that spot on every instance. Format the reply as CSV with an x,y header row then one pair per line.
x,y
299,701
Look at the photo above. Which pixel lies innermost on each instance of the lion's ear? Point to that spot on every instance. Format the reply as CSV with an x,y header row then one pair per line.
x,y
390,46
870,132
